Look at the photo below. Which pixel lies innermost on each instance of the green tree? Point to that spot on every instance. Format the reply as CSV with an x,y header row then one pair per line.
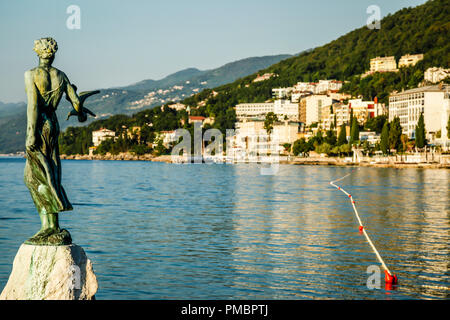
x,y
404,145
384,143
448,128
301,147
345,149
160,149
395,133
420,132
367,147
271,118
287,147
330,137
324,148
342,138
354,133
375,124
140,149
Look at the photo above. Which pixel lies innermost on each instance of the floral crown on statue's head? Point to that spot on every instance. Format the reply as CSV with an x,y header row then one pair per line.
x,y
45,47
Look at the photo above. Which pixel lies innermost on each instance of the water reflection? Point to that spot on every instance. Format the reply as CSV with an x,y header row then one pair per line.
x,y
157,231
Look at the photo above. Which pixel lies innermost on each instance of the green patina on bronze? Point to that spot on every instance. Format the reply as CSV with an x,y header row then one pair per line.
x,y
45,86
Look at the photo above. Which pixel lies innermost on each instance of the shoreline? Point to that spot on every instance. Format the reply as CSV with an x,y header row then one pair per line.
x,y
312,161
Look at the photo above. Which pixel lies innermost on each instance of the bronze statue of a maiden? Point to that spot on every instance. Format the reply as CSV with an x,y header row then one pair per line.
x,y
45,86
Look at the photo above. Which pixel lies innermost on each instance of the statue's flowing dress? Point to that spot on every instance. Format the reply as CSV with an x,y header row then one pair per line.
x,y
42,173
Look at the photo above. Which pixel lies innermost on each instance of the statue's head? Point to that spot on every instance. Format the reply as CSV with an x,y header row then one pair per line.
x,y
45,48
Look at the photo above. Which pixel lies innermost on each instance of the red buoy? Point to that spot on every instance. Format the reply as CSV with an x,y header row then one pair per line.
x,y
391,279
361,228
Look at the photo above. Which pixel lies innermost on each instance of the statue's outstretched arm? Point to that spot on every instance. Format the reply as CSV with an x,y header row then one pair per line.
x,y
32,110
72,95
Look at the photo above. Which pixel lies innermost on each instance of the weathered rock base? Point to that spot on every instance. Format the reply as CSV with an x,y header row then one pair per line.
x,y
51,273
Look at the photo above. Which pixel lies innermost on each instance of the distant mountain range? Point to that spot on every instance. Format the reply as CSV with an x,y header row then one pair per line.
x,y
133,98
13,121
210,78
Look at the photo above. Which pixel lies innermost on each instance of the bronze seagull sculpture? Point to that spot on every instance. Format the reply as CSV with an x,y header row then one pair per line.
x,y
82,114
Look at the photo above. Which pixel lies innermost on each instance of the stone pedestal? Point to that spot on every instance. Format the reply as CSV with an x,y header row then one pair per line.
x,y
51,273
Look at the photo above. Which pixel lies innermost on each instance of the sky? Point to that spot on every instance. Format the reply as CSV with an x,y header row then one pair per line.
x,y
123,42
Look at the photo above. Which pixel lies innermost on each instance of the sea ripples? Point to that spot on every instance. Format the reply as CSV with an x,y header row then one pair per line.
x,y
163,231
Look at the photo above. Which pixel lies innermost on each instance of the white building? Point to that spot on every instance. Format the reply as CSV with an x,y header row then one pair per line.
x,y
166,137
177,106
252,138
435,75
253,110
363,110
409,60
444,140
296,96
432,101
339,96
286,110
313,107
383,64
321,87
102,135
282,93
341,112
372,137
264,77
305,87
282,108
324,86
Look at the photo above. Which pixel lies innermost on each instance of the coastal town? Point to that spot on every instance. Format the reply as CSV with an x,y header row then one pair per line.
x,y
225,159
299,114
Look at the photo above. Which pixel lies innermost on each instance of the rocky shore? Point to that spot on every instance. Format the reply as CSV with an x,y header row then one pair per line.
x,y
120,156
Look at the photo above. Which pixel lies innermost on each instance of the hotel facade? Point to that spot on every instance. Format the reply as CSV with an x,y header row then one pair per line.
x,y
409,104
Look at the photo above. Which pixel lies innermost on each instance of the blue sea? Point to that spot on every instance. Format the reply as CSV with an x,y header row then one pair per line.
x,y
220,231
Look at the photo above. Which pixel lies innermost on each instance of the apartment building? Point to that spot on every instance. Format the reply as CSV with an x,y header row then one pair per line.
x,y
435,75
408,105
340,112
311,106
445,140
286,110
409,60
253,110
252,138
383,64
321,87
362,110
101,135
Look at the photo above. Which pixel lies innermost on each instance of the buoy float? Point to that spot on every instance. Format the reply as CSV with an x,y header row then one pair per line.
x,y
390,278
